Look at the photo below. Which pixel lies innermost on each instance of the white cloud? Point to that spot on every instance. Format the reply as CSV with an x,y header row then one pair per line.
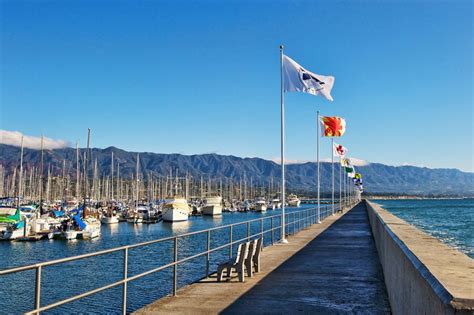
x,y
355,161
359,162
288,161
14,138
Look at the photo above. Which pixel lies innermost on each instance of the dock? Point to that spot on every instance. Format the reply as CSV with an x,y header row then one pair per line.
x,y
332,267
362,260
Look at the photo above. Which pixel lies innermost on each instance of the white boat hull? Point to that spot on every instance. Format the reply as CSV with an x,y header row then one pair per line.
x,y
294,203
138,220
261,207
93,233
109,220
70,235
13,234
175,215
212,210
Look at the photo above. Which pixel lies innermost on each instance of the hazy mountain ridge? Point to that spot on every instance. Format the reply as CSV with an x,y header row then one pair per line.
x,y
378,178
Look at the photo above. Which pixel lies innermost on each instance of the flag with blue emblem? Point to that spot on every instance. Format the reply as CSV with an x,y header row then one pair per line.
x,y
298,79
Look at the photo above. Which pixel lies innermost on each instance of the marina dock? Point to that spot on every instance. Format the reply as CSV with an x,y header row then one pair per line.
x,y
330,267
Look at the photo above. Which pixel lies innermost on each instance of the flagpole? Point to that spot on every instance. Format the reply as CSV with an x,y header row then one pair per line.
x,y
345,185
340,185
282,110
332,164
318,182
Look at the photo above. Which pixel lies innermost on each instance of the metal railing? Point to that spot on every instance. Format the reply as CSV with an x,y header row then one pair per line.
x,y
295,222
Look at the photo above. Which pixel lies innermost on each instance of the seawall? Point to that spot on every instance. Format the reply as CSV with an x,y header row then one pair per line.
x,y
422,275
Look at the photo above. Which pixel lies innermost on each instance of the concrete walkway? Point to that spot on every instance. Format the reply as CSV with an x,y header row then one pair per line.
x,y
332,267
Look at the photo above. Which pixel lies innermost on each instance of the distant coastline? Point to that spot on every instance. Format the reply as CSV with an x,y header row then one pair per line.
x,y
420,197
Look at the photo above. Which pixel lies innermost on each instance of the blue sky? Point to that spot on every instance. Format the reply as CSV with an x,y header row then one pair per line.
x,y
203,76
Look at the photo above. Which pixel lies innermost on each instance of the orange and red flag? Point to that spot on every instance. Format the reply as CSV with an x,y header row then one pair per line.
x,y
332,126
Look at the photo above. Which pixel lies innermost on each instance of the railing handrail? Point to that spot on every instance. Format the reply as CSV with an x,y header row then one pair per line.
x,y
120,248
309,215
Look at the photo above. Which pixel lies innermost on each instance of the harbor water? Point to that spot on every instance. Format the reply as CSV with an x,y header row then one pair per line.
x,y
72,278
449,220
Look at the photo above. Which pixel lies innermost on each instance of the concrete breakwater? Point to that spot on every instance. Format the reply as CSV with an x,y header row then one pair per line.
x,y
422,275
366,260
327,268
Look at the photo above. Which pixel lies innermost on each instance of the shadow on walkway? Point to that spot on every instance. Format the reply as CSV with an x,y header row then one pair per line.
x,y
338,272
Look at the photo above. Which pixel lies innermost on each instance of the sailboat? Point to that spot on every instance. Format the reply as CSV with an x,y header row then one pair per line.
x,y
11,224
89,224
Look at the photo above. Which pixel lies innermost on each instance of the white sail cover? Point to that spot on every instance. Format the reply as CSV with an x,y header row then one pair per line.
x,y
298,79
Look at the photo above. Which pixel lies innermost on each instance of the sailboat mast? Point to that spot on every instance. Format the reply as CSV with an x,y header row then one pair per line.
x,y
41,175
86,186
63,182
112,178
119,188
21,172
77,171
137,180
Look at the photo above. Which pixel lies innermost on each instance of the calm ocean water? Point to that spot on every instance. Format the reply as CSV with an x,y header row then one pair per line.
x,y
66,280
449,220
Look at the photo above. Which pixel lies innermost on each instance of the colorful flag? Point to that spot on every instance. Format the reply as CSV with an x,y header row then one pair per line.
x,y
332,126
298,79
346,162
339,150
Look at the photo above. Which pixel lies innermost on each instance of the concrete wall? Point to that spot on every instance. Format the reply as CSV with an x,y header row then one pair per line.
x,y
422,275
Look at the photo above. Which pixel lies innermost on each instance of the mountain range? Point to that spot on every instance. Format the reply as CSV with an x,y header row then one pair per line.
x,y
378,178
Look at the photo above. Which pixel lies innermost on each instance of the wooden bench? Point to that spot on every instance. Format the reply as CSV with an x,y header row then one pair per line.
x,y
237,263
248,257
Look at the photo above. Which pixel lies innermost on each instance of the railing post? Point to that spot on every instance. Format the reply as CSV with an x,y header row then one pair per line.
x,y
261,229
271,223
38,289
175,267
125,275
230,242
208,252
248,231
294,223
299,221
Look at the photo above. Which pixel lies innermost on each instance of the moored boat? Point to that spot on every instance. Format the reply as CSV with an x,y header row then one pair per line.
x,y
212,205
261,205
109,219
175,210
293,200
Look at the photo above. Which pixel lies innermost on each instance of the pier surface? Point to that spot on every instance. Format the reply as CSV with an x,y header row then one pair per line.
x,y
332,267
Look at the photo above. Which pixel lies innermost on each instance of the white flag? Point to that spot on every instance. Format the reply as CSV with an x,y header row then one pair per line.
x,y
339,150
298,79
